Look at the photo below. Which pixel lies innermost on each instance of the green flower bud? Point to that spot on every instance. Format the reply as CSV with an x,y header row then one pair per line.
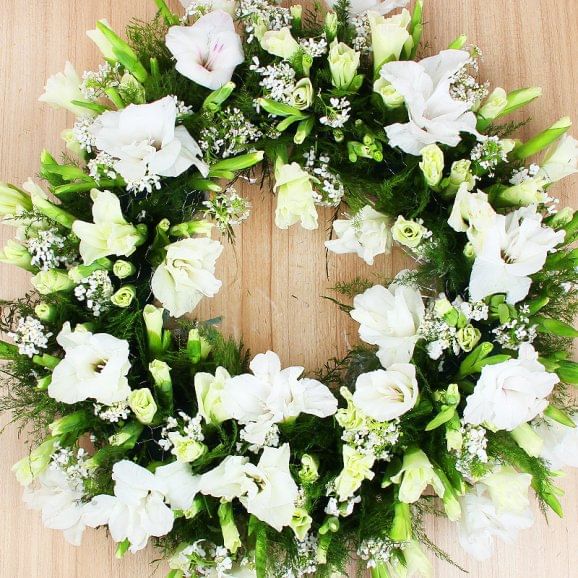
x,y
143,405
330,26
408,233
45,312
301,523
454,439
343,64
231,536
52,281
401,525
161,374
296,15
528,192
123,269
495,104
469,252
543,139
458,43
432,164
442,306
214,101
80,272
391,98
562,218
302,95
48,209
158,339
124,296
125,438
16,254
528,440
519,98
186,449
190,228
36,462
13,201
131,90
460,173
309,472
73,423
468,337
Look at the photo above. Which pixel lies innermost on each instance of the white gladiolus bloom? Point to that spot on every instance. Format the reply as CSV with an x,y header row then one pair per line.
x,y
387,394
472,214
511,393
60,501
560,447
209,392
136,511
367,234
515,247
227,480
110,234
95,366
62,89
271,491
434,116
508,489
143,140
208,51
186,274
357,7
390,318
179,485
272,395
280,43
482,519
561,160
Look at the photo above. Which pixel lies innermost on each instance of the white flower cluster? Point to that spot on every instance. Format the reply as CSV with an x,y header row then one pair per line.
x,y
362,40
82,132
373,438
230,134
378,551
337,114
473,450
71,464
95,83
306,558
112,413
44,249
340,509
191,430
330,190
262,12
102,165
524,174
271,438
313,47
516,331
465,87
490,153
30,336
278,80
228,208
95,291
203,558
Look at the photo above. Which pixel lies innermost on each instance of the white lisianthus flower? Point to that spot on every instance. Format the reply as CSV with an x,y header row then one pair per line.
x,y
178,485
208,51
357,7
280,43
482,520
271,491
511,393
368,234
110,234
343,64
434,115
390,318
472,214
62,89
227,480
560,448
388,36
357,467
515,247
508,488
416,474
387,394
209,392
295,197
561,160
273,395
60,501
136,511
432,164
391,98
95,366
143,140
186,274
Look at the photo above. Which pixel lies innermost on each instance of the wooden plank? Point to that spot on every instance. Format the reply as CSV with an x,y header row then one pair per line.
x,y
274,281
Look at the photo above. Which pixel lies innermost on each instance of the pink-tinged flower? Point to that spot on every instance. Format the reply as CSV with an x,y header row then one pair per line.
x,y
208,51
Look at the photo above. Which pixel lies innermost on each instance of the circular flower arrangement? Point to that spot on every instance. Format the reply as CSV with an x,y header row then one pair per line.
x,y
164,430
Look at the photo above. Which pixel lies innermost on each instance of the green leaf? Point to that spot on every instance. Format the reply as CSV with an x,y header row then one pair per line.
x,y
559,416
568,372
443,417
468,365
554,327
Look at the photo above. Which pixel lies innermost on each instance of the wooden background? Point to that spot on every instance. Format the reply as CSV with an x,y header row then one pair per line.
x,y
273,280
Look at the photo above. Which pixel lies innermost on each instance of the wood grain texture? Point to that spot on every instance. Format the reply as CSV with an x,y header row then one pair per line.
x,y
273,281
